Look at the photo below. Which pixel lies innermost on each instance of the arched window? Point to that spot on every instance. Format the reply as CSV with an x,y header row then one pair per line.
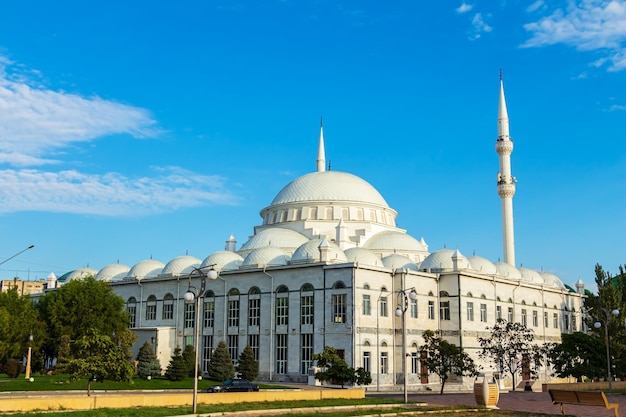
x,y
384,359
168,307
254,307
151,307
307,298
131,308
208,316
233,307
339,285
339,302
444,294
282,306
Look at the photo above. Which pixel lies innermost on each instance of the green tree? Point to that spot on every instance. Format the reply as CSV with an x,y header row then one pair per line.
x,y
578,355
19,319
98,357
445,359
511,346
147,363
80,306
337,370
177,370
248,365
221,366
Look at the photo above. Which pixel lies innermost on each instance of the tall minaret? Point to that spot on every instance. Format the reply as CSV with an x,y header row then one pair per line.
x,y
321,157
506,182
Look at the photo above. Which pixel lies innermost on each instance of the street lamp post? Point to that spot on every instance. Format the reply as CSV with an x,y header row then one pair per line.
x,y
191,295
28,357
403,306
597,325
19,253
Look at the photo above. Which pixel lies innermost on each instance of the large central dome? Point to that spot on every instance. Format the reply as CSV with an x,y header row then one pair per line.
x,y
329,186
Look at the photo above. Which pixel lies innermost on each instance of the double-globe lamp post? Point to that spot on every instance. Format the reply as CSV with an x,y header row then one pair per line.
x,y
597,325
403,306
194,294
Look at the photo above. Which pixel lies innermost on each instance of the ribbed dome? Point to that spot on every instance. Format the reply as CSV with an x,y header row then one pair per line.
x,y
277,236
266,256
182,265
482,265
551,279
531,275
389,240
145,269
333,186
363,256
508,271
396,261
310,252
112,273
78,274
442,260
223,261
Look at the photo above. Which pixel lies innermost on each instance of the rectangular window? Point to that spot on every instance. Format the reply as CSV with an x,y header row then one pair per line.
x,y
306,352
190,315
367,306
444,310
384,363
367,361
415,363
132,315
281,353
545,319
498,312
524,317
566,317
483,313
555,321
306,309
150,311
431,310
233,347
233,313
383,306
207,350
535,318
470,311
253,342
339,308
574,323
168,309
209,314
510,314
282,311
254,312
414,309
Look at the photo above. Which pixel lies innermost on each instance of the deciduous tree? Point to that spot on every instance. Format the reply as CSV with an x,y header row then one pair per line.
x,y
445,359
335,369
578,355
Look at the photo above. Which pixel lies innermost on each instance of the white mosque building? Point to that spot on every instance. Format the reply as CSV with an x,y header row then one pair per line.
x,y
329,267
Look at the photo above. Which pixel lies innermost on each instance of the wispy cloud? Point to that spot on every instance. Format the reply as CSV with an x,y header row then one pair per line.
x,y
464,8
37,125
479,26
108,194
587,25
617,107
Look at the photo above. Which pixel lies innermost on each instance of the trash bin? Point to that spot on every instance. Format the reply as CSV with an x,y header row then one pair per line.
x,y
486,390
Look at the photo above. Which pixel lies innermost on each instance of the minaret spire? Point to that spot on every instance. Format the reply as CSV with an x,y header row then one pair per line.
x,y
321,157
506,181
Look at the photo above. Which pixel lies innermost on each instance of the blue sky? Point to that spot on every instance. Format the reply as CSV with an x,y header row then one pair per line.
x,y
152,129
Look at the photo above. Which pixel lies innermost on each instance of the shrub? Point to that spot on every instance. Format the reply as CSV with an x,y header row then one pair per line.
x,y
13,368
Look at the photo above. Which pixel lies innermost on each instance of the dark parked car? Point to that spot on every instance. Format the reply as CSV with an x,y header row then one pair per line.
x,y
234,385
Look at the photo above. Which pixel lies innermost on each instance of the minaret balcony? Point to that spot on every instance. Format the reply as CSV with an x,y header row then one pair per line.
x,y
506,190
504,147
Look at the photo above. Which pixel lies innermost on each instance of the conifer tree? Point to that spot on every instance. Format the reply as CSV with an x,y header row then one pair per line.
x,y
248,365
221,366
189,355
147,363
177,368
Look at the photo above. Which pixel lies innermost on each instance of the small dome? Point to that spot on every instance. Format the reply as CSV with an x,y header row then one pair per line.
x,y
145,269
78,274
396,261
482,265
531,275
310,252
278,237
181,265
223,261
389,240
331,186
363,256
551,279
508,271
442,261
112,273
265,257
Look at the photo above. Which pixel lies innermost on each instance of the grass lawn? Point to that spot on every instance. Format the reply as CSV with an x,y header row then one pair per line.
x,y
64,383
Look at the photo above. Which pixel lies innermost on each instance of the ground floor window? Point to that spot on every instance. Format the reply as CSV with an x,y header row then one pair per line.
x,y
306,352
384,363
207,350
253,342
281,353
233,347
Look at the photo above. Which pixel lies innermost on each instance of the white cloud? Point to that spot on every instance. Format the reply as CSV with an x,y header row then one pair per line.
x,y
464,8
535,6
587,26
108,194
479,26
617,107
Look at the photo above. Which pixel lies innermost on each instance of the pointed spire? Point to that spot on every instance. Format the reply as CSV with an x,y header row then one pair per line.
x,y
503,116
321,156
